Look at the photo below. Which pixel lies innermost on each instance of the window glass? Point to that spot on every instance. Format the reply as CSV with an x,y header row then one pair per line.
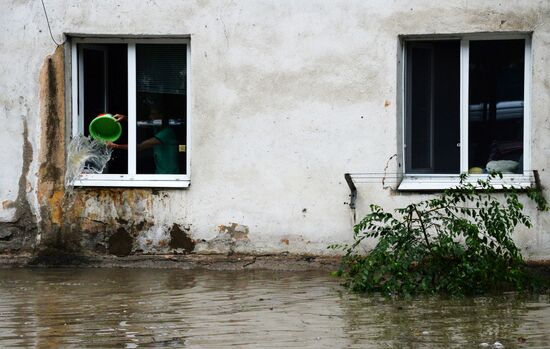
x,y
161,108
496,83
104,89
433,107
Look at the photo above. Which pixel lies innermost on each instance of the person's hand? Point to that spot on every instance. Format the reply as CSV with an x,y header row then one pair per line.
x,y
111,145
120,117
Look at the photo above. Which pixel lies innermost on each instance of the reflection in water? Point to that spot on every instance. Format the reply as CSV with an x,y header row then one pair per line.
x,y
117,308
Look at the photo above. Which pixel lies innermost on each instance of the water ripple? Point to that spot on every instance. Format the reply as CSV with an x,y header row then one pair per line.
x,y
127,308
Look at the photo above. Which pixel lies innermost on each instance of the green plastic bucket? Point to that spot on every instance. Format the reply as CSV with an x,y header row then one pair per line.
x,y
105,128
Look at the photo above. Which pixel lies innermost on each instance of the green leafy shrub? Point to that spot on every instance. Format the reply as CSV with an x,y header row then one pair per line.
x,y
458,242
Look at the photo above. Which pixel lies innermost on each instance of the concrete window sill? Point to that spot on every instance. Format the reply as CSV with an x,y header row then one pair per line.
x,y
134,183
442,182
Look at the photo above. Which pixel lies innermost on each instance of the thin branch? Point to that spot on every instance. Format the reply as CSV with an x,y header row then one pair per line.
x,y
423,228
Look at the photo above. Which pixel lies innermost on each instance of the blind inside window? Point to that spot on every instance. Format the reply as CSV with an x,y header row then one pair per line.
x,y
161,68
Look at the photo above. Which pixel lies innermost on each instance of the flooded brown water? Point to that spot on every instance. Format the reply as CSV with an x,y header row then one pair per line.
x,y
138,308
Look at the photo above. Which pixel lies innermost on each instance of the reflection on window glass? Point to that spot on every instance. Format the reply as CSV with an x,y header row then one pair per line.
x,y
104,89
161,108
496,106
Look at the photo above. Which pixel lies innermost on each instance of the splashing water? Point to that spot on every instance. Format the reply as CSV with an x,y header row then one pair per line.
x,y
85,155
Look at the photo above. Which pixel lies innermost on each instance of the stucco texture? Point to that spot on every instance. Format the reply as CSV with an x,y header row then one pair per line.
x,y
286,97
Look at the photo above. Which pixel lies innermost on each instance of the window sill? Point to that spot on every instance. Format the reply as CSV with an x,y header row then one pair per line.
x,y
442,182
125,181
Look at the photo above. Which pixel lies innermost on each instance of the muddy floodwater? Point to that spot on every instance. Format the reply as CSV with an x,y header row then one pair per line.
x,y
137,308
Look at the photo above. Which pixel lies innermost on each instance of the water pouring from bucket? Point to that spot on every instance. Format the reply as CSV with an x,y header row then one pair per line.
x,y
88,155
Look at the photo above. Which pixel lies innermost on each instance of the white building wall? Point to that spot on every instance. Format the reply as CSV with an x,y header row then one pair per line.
x,y
287,96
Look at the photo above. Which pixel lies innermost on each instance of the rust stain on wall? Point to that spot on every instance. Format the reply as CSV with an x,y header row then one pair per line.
x,y
101,215
127,200
112,206
56,209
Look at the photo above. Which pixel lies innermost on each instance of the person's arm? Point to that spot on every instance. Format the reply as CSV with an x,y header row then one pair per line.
x,y
116,146
120,117
146,144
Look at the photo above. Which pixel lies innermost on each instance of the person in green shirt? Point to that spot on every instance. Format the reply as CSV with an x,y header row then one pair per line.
x,y
164,144
166,151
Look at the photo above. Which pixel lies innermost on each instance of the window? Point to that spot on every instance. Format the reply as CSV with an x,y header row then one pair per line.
x,y
466,109
147,81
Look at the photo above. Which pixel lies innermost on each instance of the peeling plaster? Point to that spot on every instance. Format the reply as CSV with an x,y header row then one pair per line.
x,y
20,234
231,238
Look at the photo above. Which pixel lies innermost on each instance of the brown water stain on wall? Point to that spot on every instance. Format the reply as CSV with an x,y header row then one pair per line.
x,y
120,243
179,239
109,220
50,189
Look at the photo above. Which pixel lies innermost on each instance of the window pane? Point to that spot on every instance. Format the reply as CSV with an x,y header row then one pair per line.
x,y
433,107
496,106
105,90
161,108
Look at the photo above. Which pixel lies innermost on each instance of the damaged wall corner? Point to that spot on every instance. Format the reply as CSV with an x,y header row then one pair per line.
x,y
50,188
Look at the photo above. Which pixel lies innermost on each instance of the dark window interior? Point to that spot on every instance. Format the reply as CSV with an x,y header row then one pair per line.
x,y
433,107
496,77
161,107
105,85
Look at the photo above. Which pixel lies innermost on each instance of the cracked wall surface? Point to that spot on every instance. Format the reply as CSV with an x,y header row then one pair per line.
x,y
287,96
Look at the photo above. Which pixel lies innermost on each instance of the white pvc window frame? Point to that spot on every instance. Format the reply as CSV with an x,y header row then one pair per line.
x,y
444,181
132,179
